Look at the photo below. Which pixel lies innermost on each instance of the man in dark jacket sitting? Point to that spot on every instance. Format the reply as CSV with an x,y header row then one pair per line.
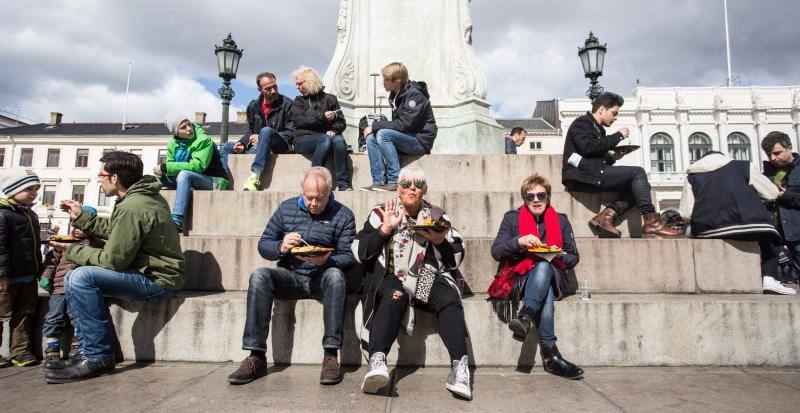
x,y
312,219
269,129
588,158
782,170
411,131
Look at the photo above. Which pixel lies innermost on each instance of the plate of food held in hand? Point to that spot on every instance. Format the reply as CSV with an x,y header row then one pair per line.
x,y
431,225
61,238
547,252
626,149
310,251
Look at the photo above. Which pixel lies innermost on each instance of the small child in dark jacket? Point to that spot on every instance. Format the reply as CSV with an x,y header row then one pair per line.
x,y
56,269
20,262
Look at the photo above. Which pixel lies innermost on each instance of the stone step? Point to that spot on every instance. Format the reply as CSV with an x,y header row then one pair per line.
x,y
608,330
216,263
474,214
450,172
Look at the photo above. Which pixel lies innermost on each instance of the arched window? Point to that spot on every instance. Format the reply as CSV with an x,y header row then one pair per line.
x,y
662,149
739,146
699,145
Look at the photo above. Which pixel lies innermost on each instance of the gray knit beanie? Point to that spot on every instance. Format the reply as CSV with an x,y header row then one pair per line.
x,y
173,122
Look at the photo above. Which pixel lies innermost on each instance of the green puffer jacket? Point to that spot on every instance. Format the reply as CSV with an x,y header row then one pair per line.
x,y
140,235
203,156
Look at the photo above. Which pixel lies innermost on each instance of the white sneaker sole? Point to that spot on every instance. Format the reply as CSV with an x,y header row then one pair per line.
x,y
780,290
374,382
460,391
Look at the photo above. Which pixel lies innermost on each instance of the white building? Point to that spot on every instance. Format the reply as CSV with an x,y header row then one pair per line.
x,y
66,156
675,126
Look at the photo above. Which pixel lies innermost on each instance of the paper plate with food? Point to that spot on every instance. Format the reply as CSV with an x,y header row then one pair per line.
x,y
61,238
310,251
431,225
626,149
548,252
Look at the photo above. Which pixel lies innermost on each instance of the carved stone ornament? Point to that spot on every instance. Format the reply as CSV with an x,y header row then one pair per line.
x,y
345,79
341,25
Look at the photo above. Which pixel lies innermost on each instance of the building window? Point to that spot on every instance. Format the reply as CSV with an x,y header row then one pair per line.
x,y
699,145
78,192
49,195
53,157
103,200
662,153
536,145
82,158
26,157
162,156
2,157
137,152
739,146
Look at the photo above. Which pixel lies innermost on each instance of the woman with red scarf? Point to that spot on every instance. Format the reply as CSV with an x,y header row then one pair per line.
x,y
526,276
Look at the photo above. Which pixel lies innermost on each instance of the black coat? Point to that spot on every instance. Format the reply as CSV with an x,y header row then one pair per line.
x,y
280,119
588,139
788,205
20,250
412,114
308,114
506,247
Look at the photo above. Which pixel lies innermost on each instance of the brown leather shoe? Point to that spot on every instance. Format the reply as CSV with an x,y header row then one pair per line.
x,y
331,372
654,228
252,367
603,224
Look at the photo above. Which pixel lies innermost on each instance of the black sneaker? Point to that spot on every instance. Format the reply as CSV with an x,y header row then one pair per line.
x,y
24,360
5,362
345,188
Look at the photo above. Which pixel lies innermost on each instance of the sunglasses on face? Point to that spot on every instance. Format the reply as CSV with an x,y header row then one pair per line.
x,y
531,196
407,184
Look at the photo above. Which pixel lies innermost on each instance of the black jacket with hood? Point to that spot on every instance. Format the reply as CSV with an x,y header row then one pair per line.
x,y
279,118
788,204
412,114
20,253
308,114
588,139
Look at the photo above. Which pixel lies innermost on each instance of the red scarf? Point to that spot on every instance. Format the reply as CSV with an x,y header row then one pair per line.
x,y
503,284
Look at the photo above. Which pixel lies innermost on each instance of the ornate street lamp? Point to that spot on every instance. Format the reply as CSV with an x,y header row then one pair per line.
x,y
228,64
593,56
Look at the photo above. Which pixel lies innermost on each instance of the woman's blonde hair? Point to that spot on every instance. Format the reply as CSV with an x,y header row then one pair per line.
x,y
310,78
532,181
395,71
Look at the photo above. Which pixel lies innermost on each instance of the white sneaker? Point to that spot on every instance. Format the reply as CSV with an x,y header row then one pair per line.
x,y
458,381
773,286
377,375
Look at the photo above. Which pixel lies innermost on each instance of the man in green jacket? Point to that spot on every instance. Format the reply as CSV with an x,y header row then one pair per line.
x,y
141,261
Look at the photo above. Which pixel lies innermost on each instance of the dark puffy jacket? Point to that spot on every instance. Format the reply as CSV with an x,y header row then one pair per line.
x,y
20,253
334,228
412,114
789,203
56,265
506,247
588,139
280,119
308,114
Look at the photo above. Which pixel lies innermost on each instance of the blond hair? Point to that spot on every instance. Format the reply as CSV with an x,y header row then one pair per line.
x,y
310,79
532,181
395,71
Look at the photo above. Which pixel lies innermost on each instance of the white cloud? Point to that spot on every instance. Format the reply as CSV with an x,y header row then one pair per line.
x,y
86,103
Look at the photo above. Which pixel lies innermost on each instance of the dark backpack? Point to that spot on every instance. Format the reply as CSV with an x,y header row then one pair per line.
x,y
362,125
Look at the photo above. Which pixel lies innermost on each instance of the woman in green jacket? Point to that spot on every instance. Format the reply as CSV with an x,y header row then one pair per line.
x,y
193,162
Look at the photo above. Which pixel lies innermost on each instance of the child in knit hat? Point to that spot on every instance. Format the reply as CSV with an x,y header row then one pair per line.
x,y
21,261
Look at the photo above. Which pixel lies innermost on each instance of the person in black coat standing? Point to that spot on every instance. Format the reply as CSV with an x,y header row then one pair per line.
x,y
589,157
319,124
782,170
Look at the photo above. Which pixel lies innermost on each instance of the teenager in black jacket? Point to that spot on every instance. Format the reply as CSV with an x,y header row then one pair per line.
x,y
589,157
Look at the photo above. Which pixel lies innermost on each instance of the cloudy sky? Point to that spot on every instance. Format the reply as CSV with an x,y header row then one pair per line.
x,y
72,56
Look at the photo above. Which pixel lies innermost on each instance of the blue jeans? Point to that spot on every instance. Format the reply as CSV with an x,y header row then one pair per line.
x,y
85,288
269,141
56,319
539,298
227,149
267,284
321,145
183,185
382,149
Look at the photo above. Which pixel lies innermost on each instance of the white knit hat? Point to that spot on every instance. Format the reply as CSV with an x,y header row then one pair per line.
x,y
14,180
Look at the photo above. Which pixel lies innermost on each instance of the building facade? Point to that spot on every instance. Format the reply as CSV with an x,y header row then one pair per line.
x,y
676,126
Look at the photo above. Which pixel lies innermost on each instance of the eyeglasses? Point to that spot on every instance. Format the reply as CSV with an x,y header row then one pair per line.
x,y
300,83
533,196
102,175
407,184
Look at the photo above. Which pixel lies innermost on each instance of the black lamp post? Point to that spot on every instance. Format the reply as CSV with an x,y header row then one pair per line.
x,y
593,56
228,63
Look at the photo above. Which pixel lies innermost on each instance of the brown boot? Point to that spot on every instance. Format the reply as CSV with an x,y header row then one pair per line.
x,y
654,228
331,373
603,224
252,367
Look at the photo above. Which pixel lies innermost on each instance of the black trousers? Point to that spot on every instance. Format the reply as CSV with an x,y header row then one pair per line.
x,y
443,301
630,181
768,249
